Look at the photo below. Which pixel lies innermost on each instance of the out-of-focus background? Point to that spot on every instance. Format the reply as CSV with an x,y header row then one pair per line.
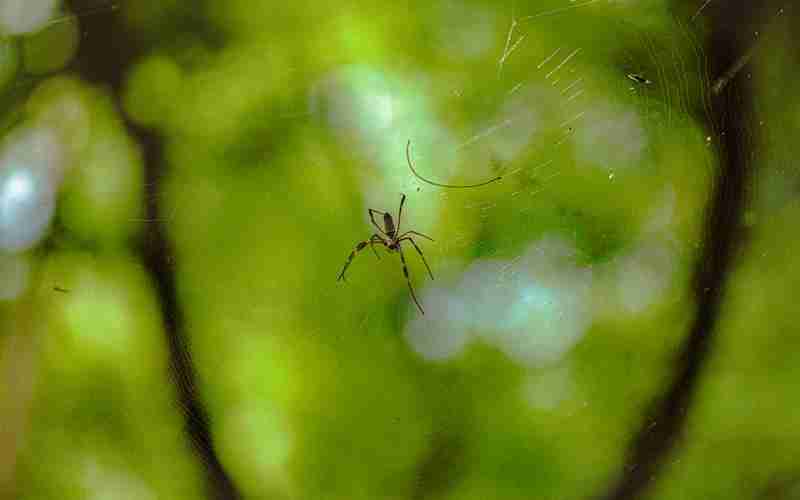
x,y
181,182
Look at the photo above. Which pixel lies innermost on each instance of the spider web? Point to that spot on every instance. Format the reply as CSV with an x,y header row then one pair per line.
x,y
559,248
590,223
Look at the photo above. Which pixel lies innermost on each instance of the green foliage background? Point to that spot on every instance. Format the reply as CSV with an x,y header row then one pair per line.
x,y
311,387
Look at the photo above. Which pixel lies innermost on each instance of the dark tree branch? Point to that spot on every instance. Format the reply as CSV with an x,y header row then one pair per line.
x,y
105,56
729,49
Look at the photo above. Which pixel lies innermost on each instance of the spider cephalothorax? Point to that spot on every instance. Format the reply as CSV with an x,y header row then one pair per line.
x,y
390,237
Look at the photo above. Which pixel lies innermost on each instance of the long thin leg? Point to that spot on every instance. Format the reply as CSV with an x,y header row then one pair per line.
x,y
415,233
408,280
357,249
372,213
376,239
400,214
419,252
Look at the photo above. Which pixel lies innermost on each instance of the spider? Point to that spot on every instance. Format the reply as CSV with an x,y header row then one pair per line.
x,y
390,237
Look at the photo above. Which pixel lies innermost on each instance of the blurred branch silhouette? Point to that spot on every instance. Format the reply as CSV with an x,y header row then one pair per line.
x,y
107,63
729,123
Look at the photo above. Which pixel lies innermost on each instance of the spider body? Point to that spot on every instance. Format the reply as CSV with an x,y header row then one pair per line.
x,y
390,237
388,226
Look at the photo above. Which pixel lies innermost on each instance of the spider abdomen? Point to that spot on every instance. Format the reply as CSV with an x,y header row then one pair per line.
x,y
388,226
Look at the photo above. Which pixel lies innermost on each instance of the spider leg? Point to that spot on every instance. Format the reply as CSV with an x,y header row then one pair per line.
x,y
416,233
372,213
419,251
408,280
357,249
376,239
400,214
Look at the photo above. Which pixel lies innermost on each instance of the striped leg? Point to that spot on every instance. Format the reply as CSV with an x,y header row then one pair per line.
x,y
420,254
400,214
375,239
408,280
416,233
357,249
372,213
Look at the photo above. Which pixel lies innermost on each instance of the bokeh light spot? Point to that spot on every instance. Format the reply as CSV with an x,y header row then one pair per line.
x,y
24,16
